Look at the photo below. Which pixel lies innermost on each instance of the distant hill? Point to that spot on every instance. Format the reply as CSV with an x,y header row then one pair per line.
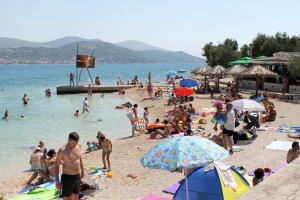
x,y
64,50
16,43
170,56
138,46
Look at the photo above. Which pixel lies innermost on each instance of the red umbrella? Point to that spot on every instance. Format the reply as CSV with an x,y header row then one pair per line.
x,y
184,92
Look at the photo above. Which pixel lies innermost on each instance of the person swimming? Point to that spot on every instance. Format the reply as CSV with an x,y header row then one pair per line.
x,y
25,99
5,115
77,113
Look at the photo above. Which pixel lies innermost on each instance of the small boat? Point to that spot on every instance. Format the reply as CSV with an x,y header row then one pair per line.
x,y
181,71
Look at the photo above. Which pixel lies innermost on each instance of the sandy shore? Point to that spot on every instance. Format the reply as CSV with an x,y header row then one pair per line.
x,y
127,153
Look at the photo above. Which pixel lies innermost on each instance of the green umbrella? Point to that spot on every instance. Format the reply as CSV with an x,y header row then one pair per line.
x,y
242,61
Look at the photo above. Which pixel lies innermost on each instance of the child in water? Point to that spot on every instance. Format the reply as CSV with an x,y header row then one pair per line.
x,y
106,146
77,113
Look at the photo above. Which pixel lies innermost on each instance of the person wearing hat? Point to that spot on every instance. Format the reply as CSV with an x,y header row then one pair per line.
x,y
35,162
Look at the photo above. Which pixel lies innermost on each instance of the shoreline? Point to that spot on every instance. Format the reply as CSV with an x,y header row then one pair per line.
x,y
127,153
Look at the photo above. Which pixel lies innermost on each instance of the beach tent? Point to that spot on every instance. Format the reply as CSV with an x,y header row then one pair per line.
x,y
188,83
210,185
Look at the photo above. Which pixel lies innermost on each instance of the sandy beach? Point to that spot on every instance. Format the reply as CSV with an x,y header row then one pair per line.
x,y
127,152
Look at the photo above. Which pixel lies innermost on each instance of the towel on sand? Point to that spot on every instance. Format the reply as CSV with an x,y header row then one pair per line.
x,y
154,197
280,145
224,172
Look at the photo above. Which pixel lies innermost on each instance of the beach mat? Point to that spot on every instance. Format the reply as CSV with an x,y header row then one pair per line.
x,y
154,197
280,145
276,169
172,188
47,185
38,194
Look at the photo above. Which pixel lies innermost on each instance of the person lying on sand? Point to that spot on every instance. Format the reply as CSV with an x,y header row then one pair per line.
x,y
258,176
162,133
293,153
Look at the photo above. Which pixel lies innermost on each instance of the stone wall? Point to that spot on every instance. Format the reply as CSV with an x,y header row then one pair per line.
x,y
273,87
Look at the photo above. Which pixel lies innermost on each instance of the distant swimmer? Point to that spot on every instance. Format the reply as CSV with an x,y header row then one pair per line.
x,y
77,113
85,106
48,92
5,115
25,99
99,120
102,95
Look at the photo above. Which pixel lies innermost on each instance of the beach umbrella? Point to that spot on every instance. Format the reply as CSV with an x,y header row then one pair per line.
x,y
235,69
257,71
171,73
201,70
247,105
183,153
183,91
218,71
242,61
188,83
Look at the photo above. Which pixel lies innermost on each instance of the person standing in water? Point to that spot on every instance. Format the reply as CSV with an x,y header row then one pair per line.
x,y
25,99
5,115
85,106
70,157
90,90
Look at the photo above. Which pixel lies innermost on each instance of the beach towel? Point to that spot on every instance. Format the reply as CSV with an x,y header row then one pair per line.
x,y
224,172
276,169
47,185
154,197
38,194
280,145
172,189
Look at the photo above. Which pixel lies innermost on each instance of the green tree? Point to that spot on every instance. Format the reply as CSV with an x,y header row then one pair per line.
x,y
221,54
294,66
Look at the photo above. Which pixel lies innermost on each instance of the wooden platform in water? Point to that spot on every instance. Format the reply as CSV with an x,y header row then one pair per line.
x,y
95,89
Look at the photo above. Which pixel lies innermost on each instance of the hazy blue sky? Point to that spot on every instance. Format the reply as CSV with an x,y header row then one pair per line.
x,y
173,24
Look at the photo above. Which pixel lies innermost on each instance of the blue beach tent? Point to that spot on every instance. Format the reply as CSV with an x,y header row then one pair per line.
x,y
210,186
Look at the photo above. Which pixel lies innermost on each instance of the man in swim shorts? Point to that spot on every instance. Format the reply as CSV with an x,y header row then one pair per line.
x,y
69,155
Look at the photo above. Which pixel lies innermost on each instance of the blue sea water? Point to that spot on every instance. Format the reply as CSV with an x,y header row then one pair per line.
x,y
51,119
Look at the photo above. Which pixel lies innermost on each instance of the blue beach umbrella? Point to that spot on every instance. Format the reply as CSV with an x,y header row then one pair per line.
x,y
171,73
183,153
188,83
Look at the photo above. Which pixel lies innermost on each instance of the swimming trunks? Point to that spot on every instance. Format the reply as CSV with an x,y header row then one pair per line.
x,y
70,184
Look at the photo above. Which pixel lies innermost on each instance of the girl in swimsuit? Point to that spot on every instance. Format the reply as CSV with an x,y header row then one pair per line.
x,y
106,146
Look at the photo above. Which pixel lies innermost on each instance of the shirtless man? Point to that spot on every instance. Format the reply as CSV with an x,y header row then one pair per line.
x,y
293,153
69,156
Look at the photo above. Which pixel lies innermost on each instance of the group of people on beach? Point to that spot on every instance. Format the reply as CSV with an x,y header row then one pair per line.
x,y
47,165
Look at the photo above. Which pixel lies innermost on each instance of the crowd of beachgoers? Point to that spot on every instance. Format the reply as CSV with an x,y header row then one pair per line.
x,y
230,126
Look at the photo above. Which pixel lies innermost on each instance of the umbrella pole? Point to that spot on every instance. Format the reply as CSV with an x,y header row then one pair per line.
x,y
205,86
256,92
186,186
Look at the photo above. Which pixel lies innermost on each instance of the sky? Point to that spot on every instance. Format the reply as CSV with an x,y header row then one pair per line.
x,y
185,25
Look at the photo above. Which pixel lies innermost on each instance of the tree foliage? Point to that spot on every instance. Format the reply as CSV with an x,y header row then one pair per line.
x,y
222,53
262,45
294,66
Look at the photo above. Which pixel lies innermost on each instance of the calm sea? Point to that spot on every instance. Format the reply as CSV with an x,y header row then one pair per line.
x,y
51,119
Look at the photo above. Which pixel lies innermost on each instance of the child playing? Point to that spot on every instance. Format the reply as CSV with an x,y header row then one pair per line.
x,y
106,146
146,117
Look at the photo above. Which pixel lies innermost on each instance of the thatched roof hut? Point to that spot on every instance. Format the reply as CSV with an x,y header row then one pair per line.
x,y
201,70
236,69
